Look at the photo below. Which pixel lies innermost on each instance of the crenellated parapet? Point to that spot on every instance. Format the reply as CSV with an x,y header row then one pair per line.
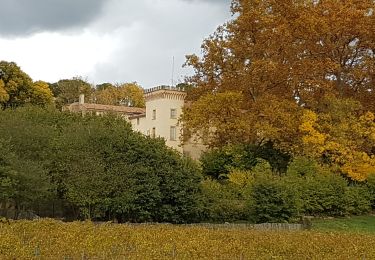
x,y
164,92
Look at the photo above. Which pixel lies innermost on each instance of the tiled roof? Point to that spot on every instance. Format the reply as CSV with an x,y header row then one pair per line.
x,y
137,116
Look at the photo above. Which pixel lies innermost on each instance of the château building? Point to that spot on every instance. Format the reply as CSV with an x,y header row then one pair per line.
x,y
160,118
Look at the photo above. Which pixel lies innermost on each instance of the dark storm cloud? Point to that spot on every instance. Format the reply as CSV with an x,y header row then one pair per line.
x,y
23,17
107,40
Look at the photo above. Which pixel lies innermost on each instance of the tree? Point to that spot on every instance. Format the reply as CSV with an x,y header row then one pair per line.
x,y
17,88
16,83
108,96
293,74
274,200
136,178
23,182
128,94
301,49
341,134
280,54
7,182
132,95
220,119
68,90
40,93
4,96
96,167
103,86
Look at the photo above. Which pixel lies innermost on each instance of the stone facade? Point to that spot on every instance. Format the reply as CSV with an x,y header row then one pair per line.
x,y
160,118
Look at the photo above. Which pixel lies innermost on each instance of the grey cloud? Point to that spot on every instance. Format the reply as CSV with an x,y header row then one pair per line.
x,y
166,29
144,35
22,17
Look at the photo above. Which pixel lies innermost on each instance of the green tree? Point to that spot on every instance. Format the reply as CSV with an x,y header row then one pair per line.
x,y
103,86
222,202
218,163
97,166
68,90
7,182
321,191
23,182
137,178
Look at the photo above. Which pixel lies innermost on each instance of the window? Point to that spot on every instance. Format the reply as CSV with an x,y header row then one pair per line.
x,y
153,133
154,114
173,133
173,113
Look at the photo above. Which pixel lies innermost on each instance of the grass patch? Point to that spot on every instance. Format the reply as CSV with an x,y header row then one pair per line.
x,y
361,224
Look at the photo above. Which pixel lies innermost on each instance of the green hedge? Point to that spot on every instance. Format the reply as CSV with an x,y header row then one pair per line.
x,y
306,189
272,200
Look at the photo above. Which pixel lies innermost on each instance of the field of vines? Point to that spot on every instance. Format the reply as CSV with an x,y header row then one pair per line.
x,y
50,239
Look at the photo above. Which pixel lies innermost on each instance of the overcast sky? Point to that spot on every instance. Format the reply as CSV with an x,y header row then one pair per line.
x,y
107,40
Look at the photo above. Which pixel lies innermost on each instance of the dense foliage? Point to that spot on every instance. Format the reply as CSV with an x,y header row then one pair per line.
x,y
17,88
298,74
64,165
92,167
262,194
283,97
129,94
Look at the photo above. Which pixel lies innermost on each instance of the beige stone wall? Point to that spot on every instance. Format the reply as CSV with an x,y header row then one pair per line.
x,y
159,103
158,116
194,149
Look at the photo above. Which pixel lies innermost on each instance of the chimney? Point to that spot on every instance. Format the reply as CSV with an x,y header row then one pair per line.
x,y
82,99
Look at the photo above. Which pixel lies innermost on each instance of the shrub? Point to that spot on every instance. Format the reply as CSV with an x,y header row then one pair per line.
x,y
272,200
371,188
214,163
357,200
303,166
222,202
218,163
96,165
324,192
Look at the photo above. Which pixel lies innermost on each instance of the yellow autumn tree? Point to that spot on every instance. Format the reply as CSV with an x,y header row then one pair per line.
x,y
40,93
284,51
302,48
217,119
17,88
15,85
303,76
128,94
221,119
4,96
341,134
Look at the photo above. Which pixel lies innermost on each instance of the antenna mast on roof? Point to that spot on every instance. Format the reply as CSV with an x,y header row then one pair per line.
x,y
173,72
